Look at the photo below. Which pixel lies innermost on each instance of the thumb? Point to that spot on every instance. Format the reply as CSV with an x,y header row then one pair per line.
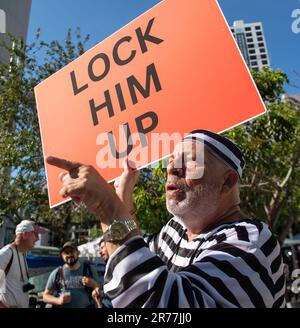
x,y
129,165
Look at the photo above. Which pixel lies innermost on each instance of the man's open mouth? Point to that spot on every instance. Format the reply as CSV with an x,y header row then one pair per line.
x,y
172,187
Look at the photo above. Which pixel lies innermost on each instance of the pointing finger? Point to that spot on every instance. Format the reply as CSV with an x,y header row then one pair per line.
x,y
62,163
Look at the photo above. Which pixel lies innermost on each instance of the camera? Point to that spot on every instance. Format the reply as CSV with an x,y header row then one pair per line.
x,y
27,287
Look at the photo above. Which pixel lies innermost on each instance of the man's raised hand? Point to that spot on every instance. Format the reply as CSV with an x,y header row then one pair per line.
x,y
84,184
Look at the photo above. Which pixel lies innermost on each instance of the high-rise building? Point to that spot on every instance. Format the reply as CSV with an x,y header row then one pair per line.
x,y
293,99
252,43
14,19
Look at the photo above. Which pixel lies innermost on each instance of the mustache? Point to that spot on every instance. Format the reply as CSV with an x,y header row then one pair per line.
x,y
71,258
71,261
177,183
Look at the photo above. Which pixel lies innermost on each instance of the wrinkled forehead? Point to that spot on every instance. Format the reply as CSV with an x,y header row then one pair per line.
x,y
195,148
190,155
190,148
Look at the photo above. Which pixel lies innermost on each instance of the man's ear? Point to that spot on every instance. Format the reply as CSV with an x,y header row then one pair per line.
x,y
231,179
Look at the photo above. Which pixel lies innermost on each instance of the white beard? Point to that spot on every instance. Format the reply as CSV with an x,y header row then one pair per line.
x,y
202,201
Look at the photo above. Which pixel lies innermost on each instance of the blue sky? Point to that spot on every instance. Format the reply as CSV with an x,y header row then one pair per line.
x,y
100,18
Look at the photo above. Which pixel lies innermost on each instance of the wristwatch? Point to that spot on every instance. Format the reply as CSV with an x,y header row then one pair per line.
x,y
119,230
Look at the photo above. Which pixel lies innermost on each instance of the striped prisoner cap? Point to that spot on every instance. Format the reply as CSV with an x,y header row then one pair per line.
x,y
223,147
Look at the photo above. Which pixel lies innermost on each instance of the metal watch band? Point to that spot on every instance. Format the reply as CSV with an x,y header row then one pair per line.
x,y
129,224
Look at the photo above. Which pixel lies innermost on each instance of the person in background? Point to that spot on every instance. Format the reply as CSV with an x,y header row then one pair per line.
x,y
14,277
71,286
103,251
98,295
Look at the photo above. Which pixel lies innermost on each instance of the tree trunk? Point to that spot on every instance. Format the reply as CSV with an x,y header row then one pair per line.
x,y
285,231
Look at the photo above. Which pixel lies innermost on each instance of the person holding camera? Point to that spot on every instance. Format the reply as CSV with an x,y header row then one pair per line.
x,y
72,285
14,277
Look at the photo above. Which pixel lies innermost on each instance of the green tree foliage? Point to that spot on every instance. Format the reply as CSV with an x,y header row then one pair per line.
x,y
270,83
23,190
270,187
150,198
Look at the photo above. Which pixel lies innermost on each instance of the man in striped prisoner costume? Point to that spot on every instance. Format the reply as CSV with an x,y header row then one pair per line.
x,y
208,255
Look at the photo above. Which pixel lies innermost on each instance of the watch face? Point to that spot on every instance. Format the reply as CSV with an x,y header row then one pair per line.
x,y
118,231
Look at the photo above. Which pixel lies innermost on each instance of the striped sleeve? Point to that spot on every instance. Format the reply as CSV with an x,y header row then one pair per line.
x,y
225,275
152,241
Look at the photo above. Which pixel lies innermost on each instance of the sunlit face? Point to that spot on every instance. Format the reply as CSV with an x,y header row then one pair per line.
x,y
70,256
191,186
30,238
103,251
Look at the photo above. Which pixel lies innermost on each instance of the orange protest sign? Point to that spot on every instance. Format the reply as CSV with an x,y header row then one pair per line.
x,y
174,69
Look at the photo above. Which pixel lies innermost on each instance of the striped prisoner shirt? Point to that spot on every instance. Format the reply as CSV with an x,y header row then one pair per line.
x,y
235,265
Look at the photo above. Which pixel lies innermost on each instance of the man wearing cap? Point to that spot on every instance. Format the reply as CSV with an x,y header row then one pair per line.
x,y
14,284
71,286
209,254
